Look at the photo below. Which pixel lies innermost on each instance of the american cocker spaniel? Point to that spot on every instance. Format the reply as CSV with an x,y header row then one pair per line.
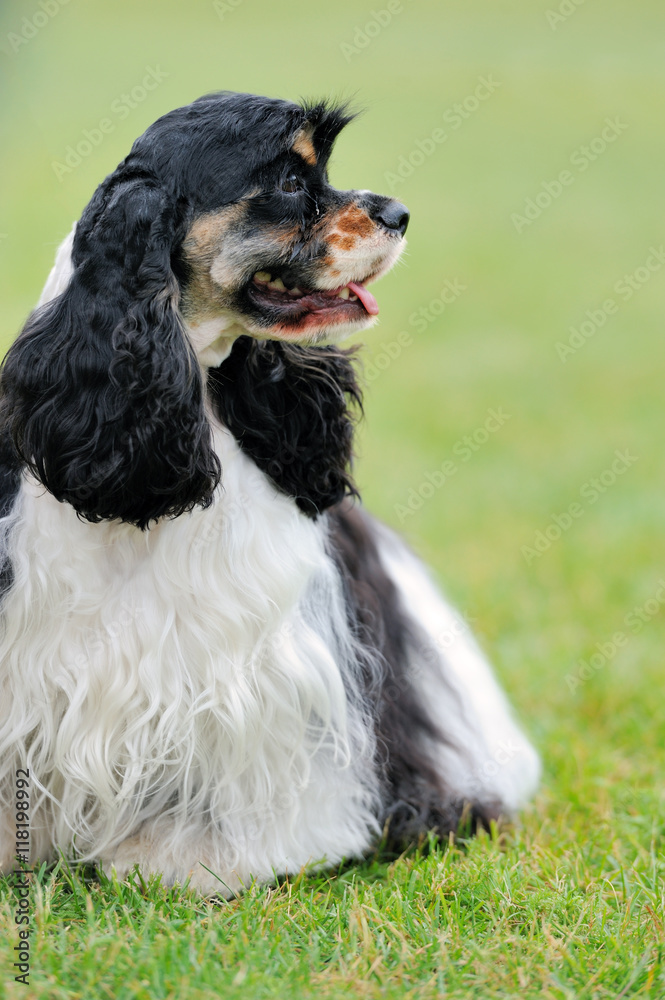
x,y
213,662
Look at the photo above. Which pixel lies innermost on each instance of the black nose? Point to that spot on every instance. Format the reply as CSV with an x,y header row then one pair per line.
x,y
394,215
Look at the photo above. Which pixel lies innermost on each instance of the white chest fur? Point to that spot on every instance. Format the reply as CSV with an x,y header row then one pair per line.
x,y
200,673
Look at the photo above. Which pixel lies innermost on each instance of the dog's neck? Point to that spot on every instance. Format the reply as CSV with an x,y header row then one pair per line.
x,y
291,409
213,338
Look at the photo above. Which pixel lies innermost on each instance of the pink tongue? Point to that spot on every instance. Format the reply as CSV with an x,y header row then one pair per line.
x,y
367,299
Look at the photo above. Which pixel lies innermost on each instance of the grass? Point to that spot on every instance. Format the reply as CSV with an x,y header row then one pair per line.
x,y
495,917
568,903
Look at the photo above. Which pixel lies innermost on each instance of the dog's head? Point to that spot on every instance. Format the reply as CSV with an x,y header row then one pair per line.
x,y
220,223
271,247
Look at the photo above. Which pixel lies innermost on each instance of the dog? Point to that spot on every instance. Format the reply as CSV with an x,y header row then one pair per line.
x,y
214,664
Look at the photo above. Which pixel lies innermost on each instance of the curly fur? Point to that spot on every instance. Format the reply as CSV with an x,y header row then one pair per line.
x,y
99,378
290,408
213,663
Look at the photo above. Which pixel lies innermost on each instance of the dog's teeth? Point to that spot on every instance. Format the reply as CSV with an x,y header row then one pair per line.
x,y
344,294
353,298
277,285
263,276
295,291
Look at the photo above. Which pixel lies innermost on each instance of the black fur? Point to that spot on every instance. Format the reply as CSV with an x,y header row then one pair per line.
x,y
415,800
102,395
10,482
289,408
213,151
10,474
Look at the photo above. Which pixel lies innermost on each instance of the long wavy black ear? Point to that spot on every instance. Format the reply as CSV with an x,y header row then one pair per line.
x,y
101,393
291,409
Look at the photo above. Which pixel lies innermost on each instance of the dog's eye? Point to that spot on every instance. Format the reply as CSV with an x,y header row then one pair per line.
x,y
291,184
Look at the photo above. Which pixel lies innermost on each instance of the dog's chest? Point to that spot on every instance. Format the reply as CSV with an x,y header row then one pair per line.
x,y
195,600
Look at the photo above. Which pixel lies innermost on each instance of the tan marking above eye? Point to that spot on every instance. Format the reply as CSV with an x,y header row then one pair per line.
x,y
303,145
354,220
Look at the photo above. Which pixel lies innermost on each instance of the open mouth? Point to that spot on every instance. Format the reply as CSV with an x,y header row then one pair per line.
x,y
293,305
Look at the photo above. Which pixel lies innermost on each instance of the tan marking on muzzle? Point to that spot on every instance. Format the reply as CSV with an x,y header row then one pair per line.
x,y
354,220
343,242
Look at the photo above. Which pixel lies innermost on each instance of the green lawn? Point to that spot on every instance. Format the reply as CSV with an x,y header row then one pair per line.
x,y
569,903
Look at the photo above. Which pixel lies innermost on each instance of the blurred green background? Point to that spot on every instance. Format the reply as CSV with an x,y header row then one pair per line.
x,y
555,80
